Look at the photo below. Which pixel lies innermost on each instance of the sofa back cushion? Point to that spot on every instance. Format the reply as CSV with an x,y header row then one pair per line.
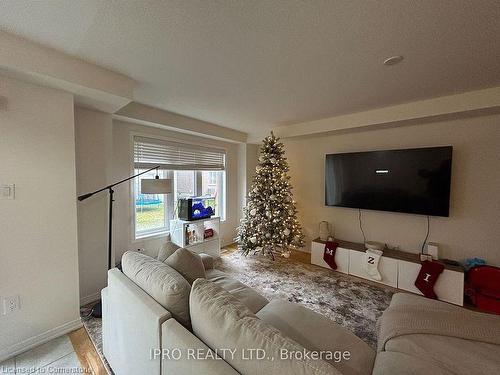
x,y
221,321
164,284
187,263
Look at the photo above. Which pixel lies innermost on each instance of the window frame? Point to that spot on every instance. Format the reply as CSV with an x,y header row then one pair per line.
x,y
132,206
153,232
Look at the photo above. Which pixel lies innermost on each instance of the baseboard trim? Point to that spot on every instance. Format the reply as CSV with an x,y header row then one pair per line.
x,y
42,338
90,298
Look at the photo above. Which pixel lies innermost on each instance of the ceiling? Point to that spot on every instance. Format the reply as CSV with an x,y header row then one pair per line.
x,y
253,65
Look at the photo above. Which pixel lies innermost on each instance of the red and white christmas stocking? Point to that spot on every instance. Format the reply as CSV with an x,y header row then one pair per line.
x,y
329,254
427,277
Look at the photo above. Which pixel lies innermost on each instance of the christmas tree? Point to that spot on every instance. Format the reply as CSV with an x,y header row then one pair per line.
x,y
270,217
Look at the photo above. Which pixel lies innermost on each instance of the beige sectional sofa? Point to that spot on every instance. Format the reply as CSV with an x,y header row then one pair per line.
x,y
155,321
418,335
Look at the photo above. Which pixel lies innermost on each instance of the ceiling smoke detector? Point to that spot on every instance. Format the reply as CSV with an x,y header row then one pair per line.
x,y
393,60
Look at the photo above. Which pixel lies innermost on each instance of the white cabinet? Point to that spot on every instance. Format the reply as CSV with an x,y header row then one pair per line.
x,y
341,257
398,269
449,285
388,268
210,246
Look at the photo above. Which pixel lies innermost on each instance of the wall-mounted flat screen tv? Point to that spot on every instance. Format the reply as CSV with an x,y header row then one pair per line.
x,y
415,181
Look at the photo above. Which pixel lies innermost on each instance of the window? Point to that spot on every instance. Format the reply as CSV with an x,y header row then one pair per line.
x,y
201,183
213,185
195,171
151,210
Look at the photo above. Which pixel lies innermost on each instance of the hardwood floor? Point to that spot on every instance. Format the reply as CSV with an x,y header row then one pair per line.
x,y
87,355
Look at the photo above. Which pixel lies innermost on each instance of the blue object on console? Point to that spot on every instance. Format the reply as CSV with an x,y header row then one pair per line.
x,y
196,208
473,262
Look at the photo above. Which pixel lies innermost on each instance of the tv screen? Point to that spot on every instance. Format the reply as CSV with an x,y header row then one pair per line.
x,y
415,181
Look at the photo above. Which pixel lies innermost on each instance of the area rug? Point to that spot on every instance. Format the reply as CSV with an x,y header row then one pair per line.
x,y
93,326
351,302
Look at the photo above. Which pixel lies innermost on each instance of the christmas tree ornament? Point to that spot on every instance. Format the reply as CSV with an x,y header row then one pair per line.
x,y
270,222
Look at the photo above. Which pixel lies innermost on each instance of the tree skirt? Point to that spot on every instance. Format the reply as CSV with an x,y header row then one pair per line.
x,y
349,301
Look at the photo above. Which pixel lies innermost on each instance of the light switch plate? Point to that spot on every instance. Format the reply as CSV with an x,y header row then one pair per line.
x,y
7,191
11,304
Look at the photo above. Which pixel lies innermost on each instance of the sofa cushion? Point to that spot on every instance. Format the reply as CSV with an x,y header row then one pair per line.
x,y
246,295
389,363
411,300
208,261
456,355
316,332
187,263
167,249
221,321
164,284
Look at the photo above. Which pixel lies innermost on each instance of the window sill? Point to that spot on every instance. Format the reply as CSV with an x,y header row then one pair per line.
x,y
150,236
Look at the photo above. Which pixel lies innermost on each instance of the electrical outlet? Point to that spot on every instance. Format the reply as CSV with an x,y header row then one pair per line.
x,y
11,304
7,191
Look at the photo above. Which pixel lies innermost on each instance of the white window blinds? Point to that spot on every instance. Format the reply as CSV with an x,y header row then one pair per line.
x,y
149,153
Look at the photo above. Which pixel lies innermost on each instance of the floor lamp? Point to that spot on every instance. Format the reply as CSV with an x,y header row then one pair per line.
x,y
148,186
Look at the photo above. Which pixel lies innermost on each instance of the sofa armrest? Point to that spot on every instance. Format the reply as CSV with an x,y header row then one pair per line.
x,y
208,261
186,345
131,325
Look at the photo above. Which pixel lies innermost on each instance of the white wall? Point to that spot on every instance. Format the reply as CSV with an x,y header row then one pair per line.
x,y
38,230
91,85
472,230
247,161
104,155
253,152
122,167
93,166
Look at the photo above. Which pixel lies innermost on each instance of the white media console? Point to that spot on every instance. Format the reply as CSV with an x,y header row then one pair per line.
x,y
397,268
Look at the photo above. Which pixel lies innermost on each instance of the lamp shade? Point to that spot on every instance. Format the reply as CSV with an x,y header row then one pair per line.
x,y
156,186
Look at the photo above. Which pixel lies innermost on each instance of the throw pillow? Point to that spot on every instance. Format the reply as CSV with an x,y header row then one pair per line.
x,y
187,263
167,249
221,321
164,284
